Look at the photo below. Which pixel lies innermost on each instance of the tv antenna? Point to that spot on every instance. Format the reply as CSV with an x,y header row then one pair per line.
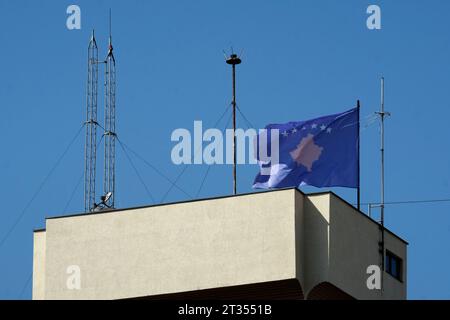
x,y
382,115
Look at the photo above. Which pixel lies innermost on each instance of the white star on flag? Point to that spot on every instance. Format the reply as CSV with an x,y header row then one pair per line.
x,y
323,127
294,130
285,134
314,126
329,130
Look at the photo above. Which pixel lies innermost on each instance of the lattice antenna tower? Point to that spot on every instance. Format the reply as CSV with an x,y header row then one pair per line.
x,y
109,179
91,126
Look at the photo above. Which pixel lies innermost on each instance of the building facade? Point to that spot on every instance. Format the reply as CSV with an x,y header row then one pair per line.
x,y
280,244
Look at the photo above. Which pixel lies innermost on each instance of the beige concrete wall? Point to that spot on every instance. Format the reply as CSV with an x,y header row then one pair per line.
x,y
39,265
341,243
353,247
214,243
316,240
173,248
395,289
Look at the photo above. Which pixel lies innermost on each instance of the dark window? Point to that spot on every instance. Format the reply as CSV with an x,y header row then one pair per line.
x,y
393,265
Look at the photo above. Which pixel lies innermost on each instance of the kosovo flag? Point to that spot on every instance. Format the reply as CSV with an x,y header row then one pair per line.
x,y
322,152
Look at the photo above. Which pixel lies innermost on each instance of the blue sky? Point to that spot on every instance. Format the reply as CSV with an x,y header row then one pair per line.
x,y
302,59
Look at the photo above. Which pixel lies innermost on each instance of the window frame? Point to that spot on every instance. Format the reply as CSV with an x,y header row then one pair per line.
x,y
389,257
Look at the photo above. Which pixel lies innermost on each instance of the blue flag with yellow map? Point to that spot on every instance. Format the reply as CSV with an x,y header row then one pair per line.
x,y
322,152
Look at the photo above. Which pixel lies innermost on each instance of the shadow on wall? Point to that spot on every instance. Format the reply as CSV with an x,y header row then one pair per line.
x,y
315,243
315,254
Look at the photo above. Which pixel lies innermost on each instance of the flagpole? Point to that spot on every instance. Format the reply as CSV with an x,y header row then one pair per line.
x,y
358,106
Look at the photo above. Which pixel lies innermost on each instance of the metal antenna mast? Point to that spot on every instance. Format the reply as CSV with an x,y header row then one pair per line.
x,y
90,152
382,114
234,60
110,125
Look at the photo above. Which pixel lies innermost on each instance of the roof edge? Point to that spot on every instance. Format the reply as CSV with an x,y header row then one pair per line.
x,y
171,203
222,197
356,209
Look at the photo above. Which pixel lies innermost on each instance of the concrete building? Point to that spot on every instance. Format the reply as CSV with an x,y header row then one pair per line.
x,y
280,244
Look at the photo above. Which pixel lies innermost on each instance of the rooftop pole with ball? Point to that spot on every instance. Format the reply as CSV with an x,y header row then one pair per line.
x,y
234,60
